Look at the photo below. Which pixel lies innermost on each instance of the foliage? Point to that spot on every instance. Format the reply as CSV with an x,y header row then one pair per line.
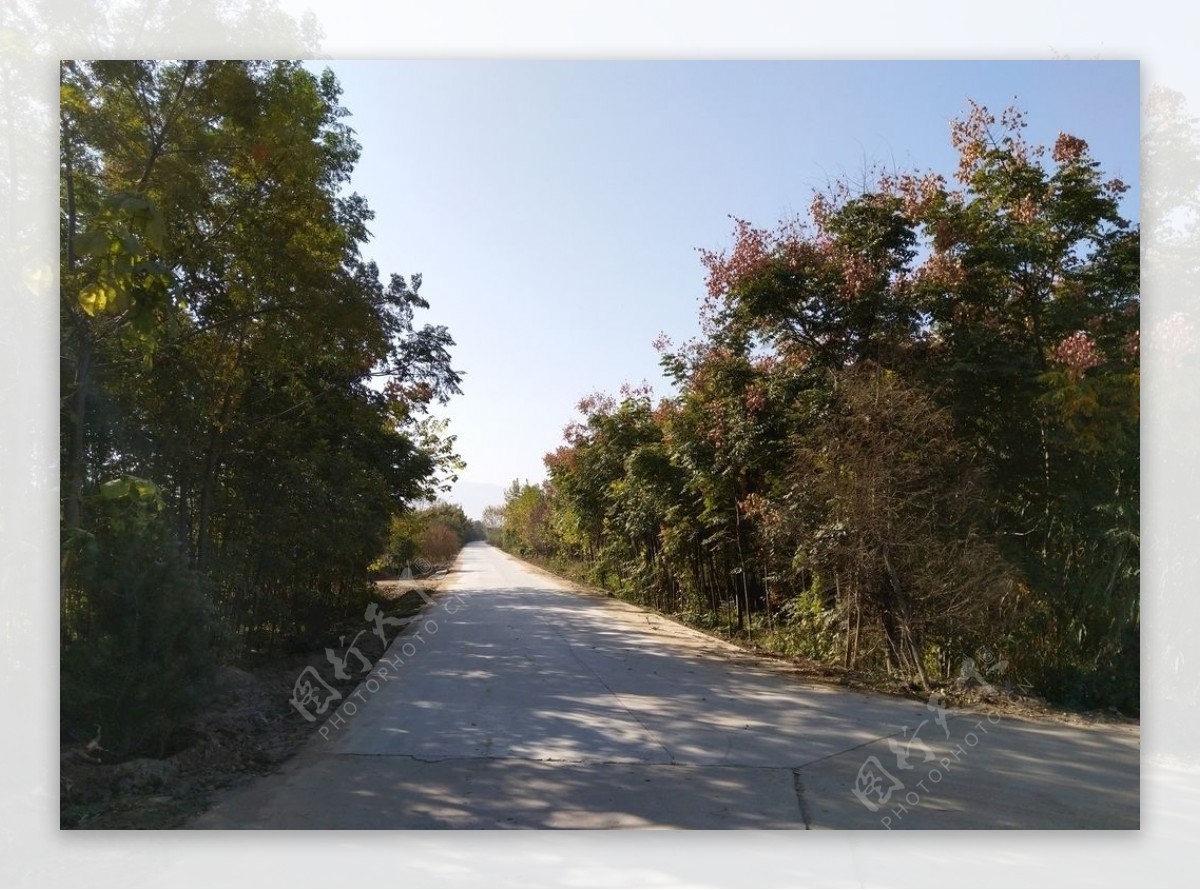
x,y
909,430
140,635
434,533
439,543
525,528
223,336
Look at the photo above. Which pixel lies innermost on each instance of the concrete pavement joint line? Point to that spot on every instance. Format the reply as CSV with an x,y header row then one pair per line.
x,y
498,758
650,733
508,758
798,784
882,738
728,748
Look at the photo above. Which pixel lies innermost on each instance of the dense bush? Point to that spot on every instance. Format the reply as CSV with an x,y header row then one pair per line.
x,y
140,634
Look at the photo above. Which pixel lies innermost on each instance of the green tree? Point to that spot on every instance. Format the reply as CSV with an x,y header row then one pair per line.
x,y
908,429
140,637
527,515
1032,287
223,337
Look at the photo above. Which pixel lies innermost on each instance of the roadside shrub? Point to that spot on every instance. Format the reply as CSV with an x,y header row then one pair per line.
x,y
439,543
140,636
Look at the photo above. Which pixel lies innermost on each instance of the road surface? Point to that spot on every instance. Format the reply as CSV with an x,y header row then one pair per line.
x,y
518,703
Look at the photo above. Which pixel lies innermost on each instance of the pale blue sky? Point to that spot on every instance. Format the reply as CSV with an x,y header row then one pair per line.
x,y
555,208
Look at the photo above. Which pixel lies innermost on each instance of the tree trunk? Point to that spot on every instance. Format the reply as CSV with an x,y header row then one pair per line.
x,y
908,639
73,509
76,465
891,635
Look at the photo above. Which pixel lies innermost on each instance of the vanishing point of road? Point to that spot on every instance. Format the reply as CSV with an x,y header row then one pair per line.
x,y
518,702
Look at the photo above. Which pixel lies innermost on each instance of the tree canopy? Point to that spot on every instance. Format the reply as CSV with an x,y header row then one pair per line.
x,y
228,356
909,430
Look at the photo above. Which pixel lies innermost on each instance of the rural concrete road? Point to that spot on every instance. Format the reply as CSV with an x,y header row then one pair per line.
x,y
518,703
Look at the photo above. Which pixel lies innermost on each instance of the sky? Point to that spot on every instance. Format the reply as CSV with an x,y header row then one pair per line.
x,y
555,209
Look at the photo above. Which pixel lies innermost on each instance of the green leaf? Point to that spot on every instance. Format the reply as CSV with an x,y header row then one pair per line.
x,y
133,488
115,488
155,230
92,244
96,297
